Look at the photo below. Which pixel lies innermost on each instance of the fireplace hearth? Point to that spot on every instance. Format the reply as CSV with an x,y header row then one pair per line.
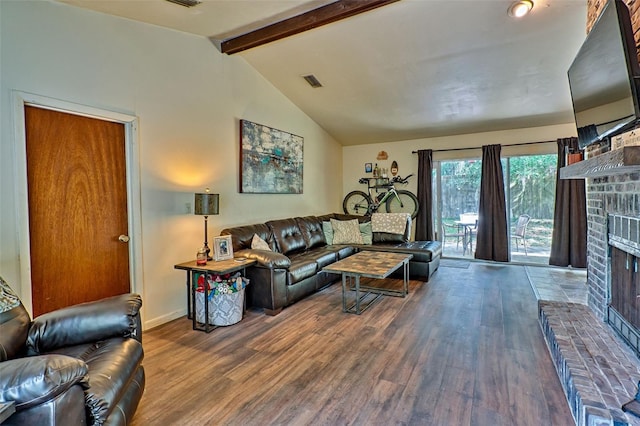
x,y
599,368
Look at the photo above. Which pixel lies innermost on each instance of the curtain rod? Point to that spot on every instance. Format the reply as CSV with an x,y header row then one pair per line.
x,y
465,149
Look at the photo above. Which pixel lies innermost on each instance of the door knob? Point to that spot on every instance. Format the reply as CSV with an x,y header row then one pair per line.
x,y
123,238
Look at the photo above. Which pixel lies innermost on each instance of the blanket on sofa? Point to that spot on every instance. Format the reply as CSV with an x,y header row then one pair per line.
x,y
392,223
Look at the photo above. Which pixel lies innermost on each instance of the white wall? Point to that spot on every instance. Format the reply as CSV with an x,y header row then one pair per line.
x,y
188,98
354,157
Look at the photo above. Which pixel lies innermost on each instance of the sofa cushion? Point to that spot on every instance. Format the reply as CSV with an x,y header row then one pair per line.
x,y
112,363
311,228
300,269
288,235
344,250
323,256
385,237
423,251
342,216
346,232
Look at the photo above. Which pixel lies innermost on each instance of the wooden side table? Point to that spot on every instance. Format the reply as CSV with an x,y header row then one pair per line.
x,y
220,267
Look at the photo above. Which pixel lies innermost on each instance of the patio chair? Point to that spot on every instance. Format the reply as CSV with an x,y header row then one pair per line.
x,y
469,223
452,231
521,229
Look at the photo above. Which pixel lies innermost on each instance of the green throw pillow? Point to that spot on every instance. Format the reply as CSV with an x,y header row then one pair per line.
x,y
328,232
367,233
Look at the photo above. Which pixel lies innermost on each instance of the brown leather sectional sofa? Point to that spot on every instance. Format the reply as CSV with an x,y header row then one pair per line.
x,y
299,251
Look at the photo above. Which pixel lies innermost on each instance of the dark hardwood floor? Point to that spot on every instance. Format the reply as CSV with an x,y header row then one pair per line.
x,y
463,349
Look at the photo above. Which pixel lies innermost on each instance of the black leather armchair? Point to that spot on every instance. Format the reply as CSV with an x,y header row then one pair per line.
x,y
74,366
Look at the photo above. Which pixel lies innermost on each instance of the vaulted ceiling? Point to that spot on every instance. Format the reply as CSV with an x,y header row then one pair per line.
x,y
406,70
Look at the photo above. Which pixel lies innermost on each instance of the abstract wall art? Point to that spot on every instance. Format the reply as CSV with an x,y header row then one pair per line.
x,y
270,160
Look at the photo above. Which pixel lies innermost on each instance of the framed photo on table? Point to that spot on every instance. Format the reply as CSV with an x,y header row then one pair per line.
x,y
222,248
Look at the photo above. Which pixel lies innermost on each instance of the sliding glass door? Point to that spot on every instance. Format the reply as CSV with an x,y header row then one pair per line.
x,y
459,190
530,191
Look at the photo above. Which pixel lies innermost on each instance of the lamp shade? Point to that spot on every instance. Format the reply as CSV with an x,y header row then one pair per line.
x,y
206,204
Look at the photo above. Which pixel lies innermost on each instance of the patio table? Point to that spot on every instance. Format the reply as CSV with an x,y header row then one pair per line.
x,y
469,222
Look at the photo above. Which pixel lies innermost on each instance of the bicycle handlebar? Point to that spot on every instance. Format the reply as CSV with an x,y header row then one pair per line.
x,y
401,180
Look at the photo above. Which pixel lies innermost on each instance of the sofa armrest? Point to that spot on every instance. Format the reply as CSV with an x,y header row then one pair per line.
x,y
35,380
117,316
266,258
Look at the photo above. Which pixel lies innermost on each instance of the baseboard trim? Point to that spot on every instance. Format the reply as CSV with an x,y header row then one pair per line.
x,y
155,322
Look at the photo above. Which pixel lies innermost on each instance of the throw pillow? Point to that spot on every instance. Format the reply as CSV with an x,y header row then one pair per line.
x,y
258,243
346,232
367,233
328,232
8,299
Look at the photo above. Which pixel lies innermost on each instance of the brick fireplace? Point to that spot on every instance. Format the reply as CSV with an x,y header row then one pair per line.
x,y
598,370
613,217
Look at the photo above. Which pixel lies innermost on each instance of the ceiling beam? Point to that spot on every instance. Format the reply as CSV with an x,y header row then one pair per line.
x,y
323,15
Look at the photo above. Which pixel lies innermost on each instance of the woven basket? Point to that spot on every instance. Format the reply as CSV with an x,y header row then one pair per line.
x,y
224,309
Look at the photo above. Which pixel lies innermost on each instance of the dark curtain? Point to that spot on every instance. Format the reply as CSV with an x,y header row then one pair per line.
x,y
569,242
424,220
492,242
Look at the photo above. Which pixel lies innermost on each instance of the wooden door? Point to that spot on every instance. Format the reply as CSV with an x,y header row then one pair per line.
x,y
76,174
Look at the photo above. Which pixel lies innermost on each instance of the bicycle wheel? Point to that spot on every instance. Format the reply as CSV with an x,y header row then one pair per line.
x,y
407,203
356,202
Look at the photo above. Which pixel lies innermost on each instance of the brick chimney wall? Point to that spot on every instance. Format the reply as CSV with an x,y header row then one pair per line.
x,y
594,7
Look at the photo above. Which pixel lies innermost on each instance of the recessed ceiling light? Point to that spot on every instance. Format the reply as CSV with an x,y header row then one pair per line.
x,y
520,8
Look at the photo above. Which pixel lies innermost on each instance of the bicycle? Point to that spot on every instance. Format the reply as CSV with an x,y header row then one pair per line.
x,y
395,200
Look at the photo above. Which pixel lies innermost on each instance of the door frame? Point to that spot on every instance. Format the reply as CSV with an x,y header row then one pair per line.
x,y
134,218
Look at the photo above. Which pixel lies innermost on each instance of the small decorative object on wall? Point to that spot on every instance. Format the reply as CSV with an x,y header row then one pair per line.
x,y
382,155
223,247
368,167
394,168
271,160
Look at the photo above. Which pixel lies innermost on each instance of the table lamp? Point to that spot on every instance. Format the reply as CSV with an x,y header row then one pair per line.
x,y
206,204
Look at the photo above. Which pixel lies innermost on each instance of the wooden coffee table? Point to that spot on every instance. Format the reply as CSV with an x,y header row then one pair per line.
x,y
369,264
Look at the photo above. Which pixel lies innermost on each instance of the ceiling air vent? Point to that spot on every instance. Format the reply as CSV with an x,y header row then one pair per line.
x,y
312,80
186,3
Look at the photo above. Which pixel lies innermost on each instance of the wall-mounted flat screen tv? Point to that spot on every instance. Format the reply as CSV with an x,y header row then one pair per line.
x,y
603,77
